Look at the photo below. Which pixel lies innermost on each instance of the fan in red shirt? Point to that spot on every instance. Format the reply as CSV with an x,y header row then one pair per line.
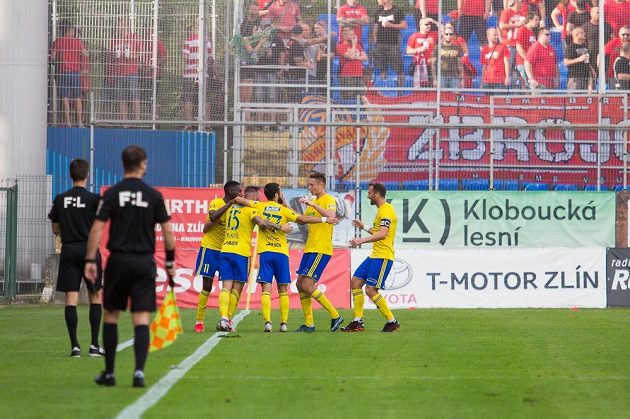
x,y
352,15
284,15
541,63
525,38
123,50
421,45
617,13
611,50
427,8
351,69
68,52
495,59
472,18
510,22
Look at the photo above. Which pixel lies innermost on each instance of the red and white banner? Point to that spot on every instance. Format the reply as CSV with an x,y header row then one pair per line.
x,y
494,278
400,153
188,208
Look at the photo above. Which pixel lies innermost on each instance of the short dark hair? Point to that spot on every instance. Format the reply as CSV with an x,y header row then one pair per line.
x,y
318,176
271,189
229,185
252,189
533,16
132,157
79,169
379,188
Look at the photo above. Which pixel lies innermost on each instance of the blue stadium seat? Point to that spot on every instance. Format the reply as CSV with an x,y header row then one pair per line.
x,y
411,23
383,85
619,188
565,187
335,64
364,185
492,22
505,185
593,188
407,62
448,184
475,184
365,38
334,27
391,185
416,185
535,186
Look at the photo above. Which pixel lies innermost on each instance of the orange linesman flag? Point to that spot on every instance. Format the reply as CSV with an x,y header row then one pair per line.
x,y
167,323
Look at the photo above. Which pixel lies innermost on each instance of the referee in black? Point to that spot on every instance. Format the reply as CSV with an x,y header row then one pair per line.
x,y
72,215
133,208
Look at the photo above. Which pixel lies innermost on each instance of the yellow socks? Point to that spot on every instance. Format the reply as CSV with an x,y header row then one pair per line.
x,y
284,307
321,298
265,302
307,307
381,304
358,298
201,305
224,302
235,296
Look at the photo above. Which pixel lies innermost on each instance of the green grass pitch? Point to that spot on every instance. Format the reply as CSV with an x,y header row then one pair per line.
x,y
441,364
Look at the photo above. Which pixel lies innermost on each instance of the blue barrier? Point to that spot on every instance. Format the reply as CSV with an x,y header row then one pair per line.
x,y
176,158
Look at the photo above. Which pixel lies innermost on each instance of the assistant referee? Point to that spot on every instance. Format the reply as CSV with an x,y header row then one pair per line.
x,y
133,208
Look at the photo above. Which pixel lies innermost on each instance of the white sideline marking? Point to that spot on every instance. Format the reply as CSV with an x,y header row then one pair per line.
x,y
124,345
159,389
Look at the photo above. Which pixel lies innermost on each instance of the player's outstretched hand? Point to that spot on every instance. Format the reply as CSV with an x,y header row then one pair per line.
x,y
355,242
90,271
287,228
332,220
357,223
304,200
239,200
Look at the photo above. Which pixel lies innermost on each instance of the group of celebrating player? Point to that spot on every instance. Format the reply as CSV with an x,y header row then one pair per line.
x,y
134,209
226,249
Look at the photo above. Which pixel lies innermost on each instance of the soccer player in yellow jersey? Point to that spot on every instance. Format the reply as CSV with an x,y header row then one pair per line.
x,y
317,253
273,249
209,256
235,253
374,270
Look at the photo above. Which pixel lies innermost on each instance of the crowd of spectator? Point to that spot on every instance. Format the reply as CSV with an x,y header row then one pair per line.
x,y
500,44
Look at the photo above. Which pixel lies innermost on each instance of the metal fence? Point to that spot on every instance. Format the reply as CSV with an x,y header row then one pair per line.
x,y
26,242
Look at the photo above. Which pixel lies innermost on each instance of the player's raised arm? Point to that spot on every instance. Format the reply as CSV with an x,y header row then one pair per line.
x,y
309,219
328,213
379,235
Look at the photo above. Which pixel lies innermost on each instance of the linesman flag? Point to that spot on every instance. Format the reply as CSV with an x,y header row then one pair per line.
x,y
167,323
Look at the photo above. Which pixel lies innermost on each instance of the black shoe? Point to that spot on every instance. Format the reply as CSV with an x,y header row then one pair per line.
x,y
75,352
354,326
138,379
105,379
391,327
96,350
335,323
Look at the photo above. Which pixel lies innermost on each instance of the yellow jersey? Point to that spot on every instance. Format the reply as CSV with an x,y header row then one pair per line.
x,y
213,239
320,234
238,230
274,240
385,217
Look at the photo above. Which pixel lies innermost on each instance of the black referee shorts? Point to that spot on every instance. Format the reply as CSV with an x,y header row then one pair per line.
x,y
130,277
71,264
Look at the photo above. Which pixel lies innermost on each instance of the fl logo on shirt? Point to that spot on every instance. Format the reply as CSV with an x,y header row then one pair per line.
x,y
133,198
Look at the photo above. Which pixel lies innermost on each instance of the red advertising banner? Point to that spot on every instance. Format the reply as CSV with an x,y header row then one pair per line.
x,y
399,153
188,208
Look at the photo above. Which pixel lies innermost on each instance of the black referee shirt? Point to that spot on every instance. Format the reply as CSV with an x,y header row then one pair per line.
x,y
74,211
134,208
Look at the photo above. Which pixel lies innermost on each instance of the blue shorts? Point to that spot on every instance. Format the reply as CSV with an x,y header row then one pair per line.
x,y
208,262
274,264
233,267
69,85
313,264
374,272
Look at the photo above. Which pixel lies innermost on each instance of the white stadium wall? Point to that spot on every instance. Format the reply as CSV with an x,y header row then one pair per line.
x,y
23,87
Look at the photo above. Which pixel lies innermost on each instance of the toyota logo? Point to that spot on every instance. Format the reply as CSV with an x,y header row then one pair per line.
x,y
399,276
